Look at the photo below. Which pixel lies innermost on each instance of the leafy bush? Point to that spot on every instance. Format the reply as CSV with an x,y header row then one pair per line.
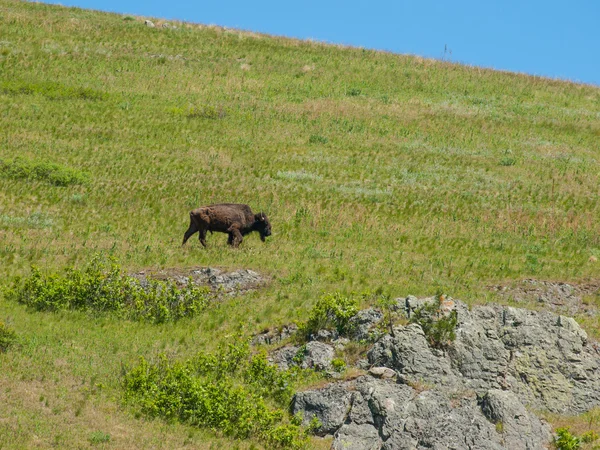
x,y
439,328
331,311
230,391
338,364
99,437
20,168
564,440
7,337
590,436
104,287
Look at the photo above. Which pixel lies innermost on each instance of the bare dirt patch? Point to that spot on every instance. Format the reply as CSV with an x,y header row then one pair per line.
x,y
220,281
568,298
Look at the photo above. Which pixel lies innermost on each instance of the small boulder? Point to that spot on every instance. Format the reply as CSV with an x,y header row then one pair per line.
x,y
329,405
363,322
284,357
382,372
318,356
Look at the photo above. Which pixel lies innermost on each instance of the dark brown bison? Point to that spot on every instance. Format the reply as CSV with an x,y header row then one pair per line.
x,y
234,219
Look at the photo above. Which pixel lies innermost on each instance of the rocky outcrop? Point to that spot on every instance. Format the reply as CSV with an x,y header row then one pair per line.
x,y
219,281
476,393
369,413
544,358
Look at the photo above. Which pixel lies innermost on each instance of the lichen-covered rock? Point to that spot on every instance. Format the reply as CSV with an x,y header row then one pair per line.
x,y
329,405
382,372
369,413
275,336
363,322
519,428
284,357
410,355
317,355
313,355
476,394
356,437
546,359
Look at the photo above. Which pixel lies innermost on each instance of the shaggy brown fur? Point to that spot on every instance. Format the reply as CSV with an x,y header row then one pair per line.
x,y
236,220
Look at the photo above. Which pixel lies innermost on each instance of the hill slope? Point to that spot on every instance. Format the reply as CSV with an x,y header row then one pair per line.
x,y
376,170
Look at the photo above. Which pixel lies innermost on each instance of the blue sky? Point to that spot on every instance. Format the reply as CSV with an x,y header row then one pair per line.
x,y
558,39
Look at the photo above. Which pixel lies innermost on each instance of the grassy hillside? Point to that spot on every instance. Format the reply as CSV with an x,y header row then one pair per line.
x,y
376,170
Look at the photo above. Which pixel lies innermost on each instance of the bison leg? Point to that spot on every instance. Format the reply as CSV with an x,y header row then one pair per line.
x,y
235,237
191,230
203,237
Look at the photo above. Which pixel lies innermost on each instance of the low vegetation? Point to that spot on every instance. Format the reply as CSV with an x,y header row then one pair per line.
x,y
7,337
51,173
231,391
331,312
439,327
103,287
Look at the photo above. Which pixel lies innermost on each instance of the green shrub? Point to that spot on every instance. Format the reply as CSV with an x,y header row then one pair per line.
x,y
99,437
332,311
7,337
590,436
439,328
231,391
564,440
338,364
20,168
104,287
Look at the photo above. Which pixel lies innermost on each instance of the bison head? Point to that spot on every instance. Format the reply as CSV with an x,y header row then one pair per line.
x,y
262,224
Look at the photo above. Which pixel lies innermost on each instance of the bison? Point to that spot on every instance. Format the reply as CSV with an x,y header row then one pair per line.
x,y
237,220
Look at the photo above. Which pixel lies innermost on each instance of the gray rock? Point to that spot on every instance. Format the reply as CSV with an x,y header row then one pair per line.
x,y
356,437
284,357
546,359
275,336
340,343
149,23
382,372
325,335
410,355
330,405
318,356
314,355
519,428
235,281
363,322
374,414
511,359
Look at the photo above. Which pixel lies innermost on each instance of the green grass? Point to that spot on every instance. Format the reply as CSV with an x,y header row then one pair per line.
x,y
376,170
